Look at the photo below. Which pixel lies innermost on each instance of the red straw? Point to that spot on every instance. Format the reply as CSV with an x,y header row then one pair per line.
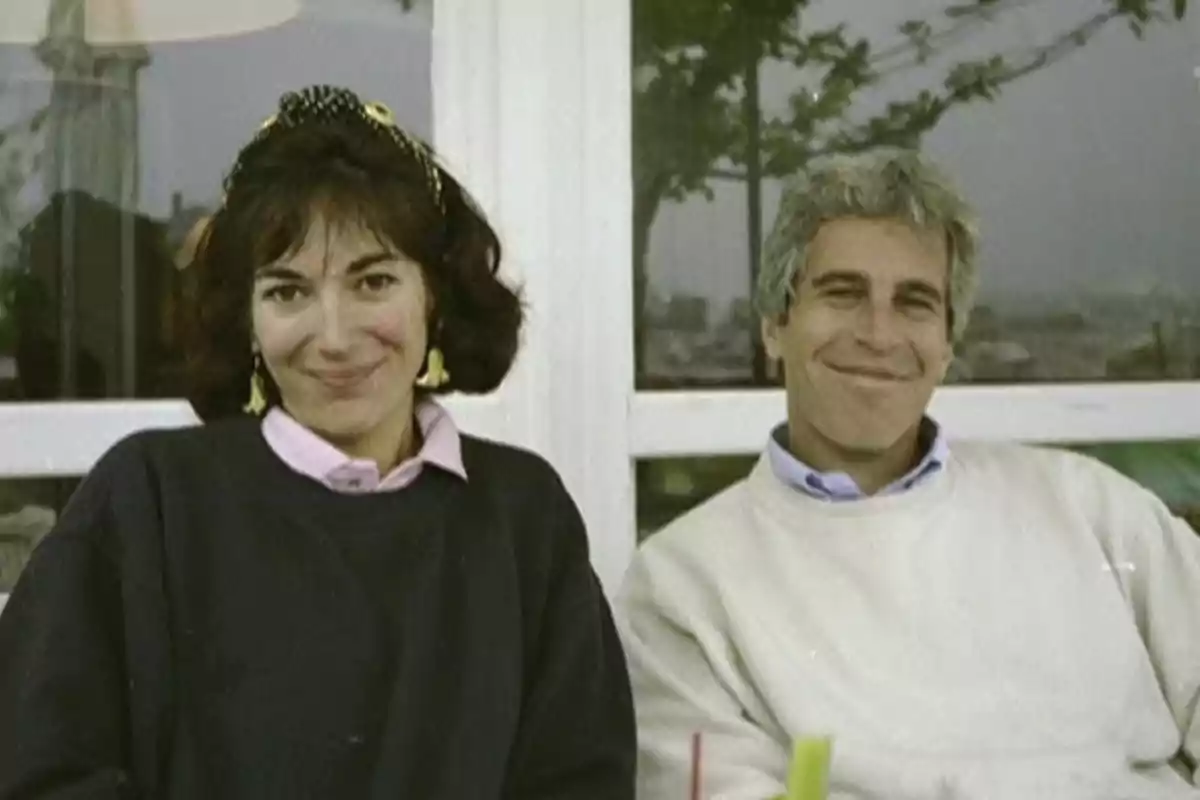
x,y
697,754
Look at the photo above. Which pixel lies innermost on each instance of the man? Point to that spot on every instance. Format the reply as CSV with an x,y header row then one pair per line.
x,y
976,622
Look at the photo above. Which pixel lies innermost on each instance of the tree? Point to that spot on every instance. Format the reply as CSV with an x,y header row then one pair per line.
x,y
695,110
17,140
18,160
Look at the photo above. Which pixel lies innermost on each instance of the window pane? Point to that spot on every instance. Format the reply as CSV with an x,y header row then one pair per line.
x,y
1082,168
28,509
109,155
667,487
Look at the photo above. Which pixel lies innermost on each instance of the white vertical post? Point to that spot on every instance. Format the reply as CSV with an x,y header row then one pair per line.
x,y
551,90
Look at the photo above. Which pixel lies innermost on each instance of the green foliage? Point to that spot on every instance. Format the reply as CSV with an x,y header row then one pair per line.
x,y
1170,469
692,57
16,165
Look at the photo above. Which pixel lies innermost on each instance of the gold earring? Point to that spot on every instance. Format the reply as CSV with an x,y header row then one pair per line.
x,y
258,395
435,374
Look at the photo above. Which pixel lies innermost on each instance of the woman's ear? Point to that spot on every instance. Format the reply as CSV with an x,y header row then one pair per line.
x,y
431,301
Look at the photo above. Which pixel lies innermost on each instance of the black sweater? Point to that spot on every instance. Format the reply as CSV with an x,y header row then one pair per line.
x,y
205,623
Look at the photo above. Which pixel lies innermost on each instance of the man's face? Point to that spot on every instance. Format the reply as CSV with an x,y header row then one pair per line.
x,y
866,340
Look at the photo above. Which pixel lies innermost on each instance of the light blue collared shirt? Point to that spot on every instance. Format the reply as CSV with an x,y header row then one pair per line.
x,y
838,486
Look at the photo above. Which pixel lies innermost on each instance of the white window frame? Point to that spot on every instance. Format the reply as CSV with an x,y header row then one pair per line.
x,y
666,424
532,110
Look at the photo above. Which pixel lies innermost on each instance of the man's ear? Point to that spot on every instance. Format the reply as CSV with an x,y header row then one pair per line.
x,y
770,329
946,362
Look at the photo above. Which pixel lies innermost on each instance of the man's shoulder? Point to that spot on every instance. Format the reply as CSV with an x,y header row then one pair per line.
x,y
688,557
706,524
1022,457
676,573
1012,467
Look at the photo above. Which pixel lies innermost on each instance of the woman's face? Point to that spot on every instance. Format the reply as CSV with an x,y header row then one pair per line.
x,y
340,325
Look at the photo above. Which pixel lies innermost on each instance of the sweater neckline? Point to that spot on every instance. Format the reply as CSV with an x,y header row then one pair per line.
x,y
766,487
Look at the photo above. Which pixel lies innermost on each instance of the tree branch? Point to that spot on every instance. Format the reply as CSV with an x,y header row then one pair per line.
x,y
969,82
917,47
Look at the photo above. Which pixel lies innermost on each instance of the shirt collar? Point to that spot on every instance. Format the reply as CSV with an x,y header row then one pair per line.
x,y
308,454
839,486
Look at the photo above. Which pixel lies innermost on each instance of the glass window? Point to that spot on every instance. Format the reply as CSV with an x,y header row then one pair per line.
x,y
668,487
1071,126
115,133
28,510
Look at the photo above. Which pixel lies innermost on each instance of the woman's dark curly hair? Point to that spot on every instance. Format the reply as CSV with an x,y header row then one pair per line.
x,y
327,156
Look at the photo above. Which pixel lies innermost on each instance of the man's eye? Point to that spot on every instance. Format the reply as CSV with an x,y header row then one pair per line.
x,y
921,303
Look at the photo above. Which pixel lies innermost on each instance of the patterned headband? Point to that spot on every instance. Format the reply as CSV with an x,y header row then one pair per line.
x,y
334,104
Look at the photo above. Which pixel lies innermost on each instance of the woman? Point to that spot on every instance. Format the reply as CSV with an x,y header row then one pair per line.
x,y
335,595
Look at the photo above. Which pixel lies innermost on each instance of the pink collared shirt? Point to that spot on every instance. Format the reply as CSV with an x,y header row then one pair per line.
x,y
309,454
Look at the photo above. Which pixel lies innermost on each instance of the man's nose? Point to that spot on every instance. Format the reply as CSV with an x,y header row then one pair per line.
x,y
878,326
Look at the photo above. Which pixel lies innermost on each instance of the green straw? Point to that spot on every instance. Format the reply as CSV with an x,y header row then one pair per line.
x,y
808,776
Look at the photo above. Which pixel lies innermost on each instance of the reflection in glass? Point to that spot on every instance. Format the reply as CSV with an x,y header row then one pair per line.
x,y
670,486
667,487
1070,124
28,510
117,122
107,23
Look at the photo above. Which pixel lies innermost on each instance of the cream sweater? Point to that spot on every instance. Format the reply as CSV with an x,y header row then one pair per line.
x,y
1024,626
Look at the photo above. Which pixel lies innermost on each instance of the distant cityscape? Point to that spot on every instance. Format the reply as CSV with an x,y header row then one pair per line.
x,y
1096,337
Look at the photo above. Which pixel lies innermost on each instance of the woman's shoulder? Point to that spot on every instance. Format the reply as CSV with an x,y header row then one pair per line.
x,y
518,479
157,450
119,497
507,464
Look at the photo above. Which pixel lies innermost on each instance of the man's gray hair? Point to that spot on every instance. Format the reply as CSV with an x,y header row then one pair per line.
x,y
880,184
